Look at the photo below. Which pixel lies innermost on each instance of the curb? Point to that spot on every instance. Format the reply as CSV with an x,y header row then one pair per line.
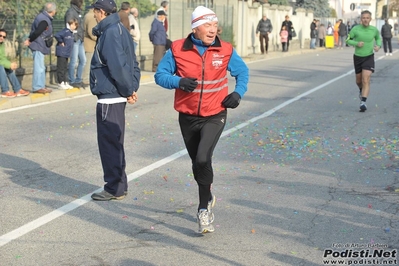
x,y
56,94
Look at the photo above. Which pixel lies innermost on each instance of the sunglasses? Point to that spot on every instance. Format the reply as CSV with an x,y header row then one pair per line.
x,y
4,36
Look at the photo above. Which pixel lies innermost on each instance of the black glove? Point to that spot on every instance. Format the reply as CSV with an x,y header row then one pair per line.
x,y
188,84
232,100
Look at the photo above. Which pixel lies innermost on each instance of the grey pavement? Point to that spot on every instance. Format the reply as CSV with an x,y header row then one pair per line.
x,y
299,172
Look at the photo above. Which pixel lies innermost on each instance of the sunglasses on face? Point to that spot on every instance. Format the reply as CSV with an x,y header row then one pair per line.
x,y
4,36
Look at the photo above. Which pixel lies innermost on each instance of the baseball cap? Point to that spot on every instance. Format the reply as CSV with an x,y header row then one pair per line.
x,y
108,6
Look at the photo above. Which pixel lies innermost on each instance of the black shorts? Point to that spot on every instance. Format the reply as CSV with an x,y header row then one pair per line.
x,y
366,63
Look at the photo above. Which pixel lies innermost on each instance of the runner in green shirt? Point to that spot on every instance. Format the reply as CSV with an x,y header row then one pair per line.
x,y
364,37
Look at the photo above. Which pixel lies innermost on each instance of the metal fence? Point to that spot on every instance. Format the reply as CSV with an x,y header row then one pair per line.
x,y
179,18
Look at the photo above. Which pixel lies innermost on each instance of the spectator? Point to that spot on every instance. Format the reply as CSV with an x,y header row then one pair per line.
x,y
42,29
288,25
321,34
7,73
284,38
89,42
201,97
342,33
78,51
124,14
114,65
313,34
336,35
164,7
263,29
135,31
65,42
158,38
395,27
330,30
348,29
386,33
219,32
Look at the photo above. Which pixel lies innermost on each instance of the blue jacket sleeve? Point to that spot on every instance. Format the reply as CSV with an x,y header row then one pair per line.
x,y
165,75
239,70
117,63
59,36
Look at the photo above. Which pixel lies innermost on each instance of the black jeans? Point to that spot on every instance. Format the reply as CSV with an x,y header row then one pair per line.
x,y
62,69
264,37
386,41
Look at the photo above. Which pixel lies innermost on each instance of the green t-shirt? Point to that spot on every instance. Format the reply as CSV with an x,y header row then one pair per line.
x,y
359,33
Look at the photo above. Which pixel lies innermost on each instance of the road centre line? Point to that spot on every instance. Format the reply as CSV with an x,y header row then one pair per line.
x,y
8,237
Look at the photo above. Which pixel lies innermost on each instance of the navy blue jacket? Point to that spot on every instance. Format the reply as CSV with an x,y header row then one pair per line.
x,y
157,33
38,44
114,70
64,36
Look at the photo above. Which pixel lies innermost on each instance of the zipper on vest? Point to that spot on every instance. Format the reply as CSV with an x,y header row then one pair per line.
x,y
202,83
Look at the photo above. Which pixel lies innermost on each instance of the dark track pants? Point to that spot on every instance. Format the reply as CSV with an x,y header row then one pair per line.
x,y
201,135
110,138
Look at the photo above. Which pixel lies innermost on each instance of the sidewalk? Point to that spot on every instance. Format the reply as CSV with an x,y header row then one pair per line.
x,y
33,98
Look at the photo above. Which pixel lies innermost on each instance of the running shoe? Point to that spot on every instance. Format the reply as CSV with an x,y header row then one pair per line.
x,y
211,204
204,226
363,106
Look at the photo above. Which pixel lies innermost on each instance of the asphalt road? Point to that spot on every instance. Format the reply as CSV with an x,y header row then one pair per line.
x,y
301,177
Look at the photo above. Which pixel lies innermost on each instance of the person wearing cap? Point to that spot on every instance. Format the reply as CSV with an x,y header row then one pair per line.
x,y
114,79
78,51
158,38
196,69
164,7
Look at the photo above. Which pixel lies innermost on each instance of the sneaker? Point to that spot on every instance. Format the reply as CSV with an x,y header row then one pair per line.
x,y
8,94
386,54
390,54
76,85
62,86
22,92
211,204
363,106
68,86
105,196
204,226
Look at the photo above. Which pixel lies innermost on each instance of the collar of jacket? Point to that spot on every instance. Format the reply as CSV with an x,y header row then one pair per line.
x,y
188,43
47,15
77,9
105,23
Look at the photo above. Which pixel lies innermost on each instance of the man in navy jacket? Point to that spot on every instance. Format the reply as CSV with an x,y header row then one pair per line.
x,y
114,79
158,38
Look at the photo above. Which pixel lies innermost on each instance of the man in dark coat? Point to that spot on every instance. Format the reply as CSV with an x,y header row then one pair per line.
x,y
386,33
